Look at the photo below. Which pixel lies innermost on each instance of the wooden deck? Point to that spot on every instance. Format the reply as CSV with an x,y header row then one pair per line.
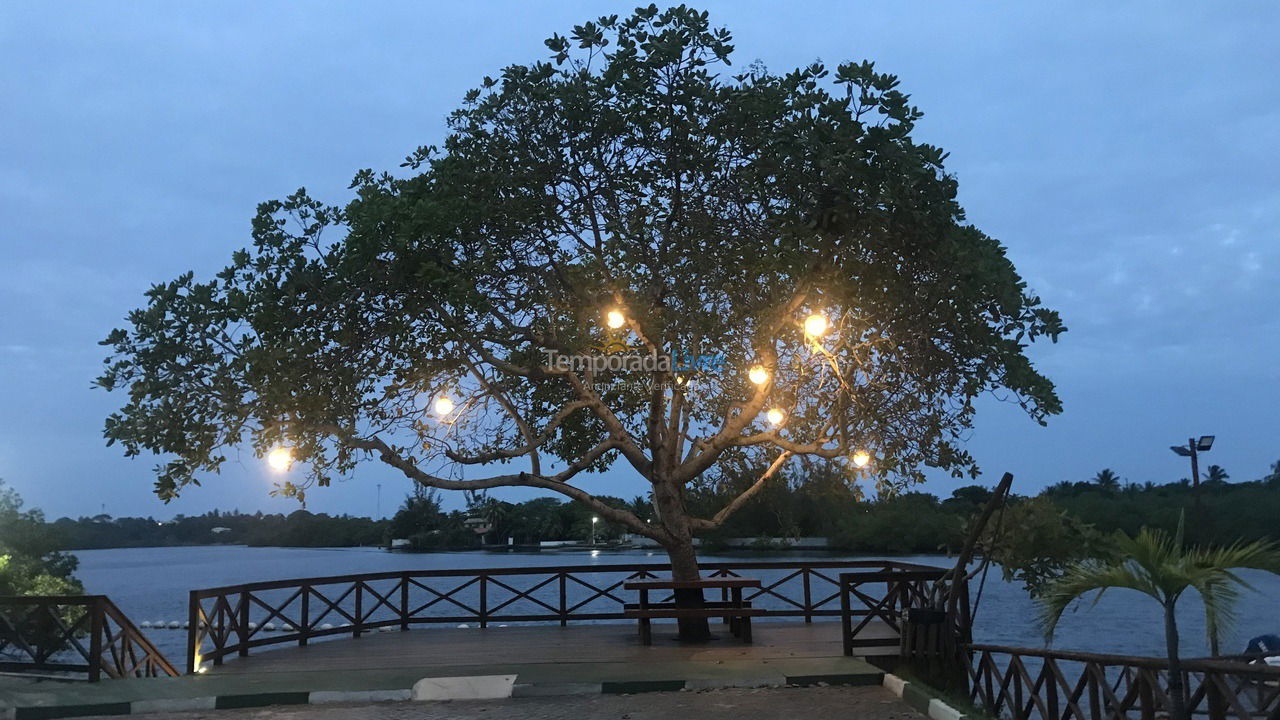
x,y
439,651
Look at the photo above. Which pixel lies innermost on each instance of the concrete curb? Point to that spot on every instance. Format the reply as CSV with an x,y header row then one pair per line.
x,y
921,699
466,690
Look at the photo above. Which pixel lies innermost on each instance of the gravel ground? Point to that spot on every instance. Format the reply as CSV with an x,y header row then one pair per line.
x,y
811,703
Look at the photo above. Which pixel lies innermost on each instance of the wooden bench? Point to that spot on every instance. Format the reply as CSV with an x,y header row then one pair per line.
x,y
734,610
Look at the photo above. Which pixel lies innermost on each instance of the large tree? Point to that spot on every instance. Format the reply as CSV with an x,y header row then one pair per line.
x,y
773,242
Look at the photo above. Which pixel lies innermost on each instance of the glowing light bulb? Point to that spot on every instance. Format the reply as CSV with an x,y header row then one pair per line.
x,y
280,459
861,458
758,375
615,319
443,405
815,326
776,416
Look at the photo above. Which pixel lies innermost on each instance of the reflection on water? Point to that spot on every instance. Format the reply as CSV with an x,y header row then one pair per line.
x,y
151,584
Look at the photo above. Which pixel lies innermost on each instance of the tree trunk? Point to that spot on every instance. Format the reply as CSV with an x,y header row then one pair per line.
x,y
1177,693
684,566
669,502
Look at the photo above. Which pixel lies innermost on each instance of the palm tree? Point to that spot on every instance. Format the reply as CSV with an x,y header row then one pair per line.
x,y
1107,479
1162,567
1216,474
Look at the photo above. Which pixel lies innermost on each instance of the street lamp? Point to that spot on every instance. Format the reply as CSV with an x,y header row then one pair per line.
x,y
815,326
280,459
443,405
1192,449
594,520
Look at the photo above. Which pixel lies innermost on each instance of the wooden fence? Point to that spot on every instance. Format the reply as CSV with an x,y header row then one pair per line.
x,y
235,619
1030,684
75,634
902,600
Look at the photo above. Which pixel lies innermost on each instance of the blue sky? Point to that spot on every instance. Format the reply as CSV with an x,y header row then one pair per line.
x,y
1127,153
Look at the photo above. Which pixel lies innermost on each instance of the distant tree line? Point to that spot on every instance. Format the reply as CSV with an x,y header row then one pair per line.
x,y
820,503
297,529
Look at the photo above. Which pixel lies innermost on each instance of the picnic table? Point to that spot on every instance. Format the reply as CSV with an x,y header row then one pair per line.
x,y
735,611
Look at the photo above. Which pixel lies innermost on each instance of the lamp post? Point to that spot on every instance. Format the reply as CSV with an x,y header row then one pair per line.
x,y
1192,449
594,520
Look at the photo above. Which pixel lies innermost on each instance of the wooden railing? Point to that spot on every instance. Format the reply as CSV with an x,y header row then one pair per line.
x,y
888,597
1030,684
233,620
75,634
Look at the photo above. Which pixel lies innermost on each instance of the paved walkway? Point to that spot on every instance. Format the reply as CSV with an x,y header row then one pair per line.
x,y
451,651
863,703
544,660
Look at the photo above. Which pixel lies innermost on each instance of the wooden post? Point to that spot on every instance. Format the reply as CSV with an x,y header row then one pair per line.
x,y
358,625
1095,703
564,605
1217,703
1050,686
193,631
304,629
243,623
808,596
404,602
95,637
1146,694
846,617
484,601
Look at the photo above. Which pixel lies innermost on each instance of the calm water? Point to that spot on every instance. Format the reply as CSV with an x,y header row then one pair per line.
x,y
151,584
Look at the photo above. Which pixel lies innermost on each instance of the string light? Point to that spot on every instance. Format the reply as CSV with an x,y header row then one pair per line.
x,y
861,458
280,459
615,319
758,375
776,416
815,326
443,405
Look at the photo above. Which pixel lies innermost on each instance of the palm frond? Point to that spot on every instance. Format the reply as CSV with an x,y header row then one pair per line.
x,y
1086,577
1219,596
1158,564
1257,555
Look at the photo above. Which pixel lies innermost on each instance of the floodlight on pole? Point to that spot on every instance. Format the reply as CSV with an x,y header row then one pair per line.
x,y
1192,449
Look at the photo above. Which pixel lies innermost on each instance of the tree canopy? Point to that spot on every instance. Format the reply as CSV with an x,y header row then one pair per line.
x,y
30,559
628,196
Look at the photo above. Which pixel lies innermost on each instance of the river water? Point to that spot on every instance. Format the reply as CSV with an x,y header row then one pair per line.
x,y
151,585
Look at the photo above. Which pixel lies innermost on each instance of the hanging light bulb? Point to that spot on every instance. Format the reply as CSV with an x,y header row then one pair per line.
x,y
815,326
280,459
861,458
758,375
615,319
776,416
443,405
